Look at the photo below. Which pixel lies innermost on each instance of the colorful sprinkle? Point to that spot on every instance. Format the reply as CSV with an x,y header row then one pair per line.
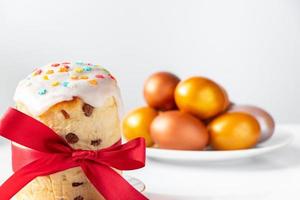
x,y
87,69
112,77
78,69
84,77
105,70
65,84
50,71
46,77
98,66
66,63
55,65
55,83
74,77
100,76
93,82
42,91
37,72
63,69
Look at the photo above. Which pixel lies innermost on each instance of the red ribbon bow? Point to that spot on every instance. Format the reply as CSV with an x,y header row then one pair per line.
x,y
52,154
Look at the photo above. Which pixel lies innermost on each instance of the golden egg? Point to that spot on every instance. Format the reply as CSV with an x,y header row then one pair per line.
x,y
179,130
137,124
201,97
232,131
265,120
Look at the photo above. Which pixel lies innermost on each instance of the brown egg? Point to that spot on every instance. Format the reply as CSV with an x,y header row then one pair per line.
x,y
159,90
201,97
179,130
232,131
265,120
137,124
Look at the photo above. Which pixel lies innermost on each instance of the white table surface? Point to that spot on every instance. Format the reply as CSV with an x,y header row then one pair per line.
x,y
268,177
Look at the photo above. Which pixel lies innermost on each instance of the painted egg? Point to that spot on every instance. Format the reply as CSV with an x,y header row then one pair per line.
x,y
201,97
178,130
159,90
137,124
234,131
266,121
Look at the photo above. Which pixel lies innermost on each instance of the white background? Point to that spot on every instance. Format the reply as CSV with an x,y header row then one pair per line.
x,y
252,48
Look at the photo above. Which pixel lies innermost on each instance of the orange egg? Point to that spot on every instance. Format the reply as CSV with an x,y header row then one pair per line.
x,y
137,124
265,120
232,131
159,90
179,130
201,97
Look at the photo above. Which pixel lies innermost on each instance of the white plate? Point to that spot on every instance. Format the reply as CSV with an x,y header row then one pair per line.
x,y
280,139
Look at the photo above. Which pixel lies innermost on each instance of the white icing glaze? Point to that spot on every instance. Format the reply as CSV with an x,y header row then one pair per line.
x,y
92,83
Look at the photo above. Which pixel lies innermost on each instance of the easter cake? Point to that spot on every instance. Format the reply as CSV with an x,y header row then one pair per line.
x,y
81,102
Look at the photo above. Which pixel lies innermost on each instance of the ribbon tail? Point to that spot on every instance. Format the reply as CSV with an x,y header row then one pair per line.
x,y
44,166
109,183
